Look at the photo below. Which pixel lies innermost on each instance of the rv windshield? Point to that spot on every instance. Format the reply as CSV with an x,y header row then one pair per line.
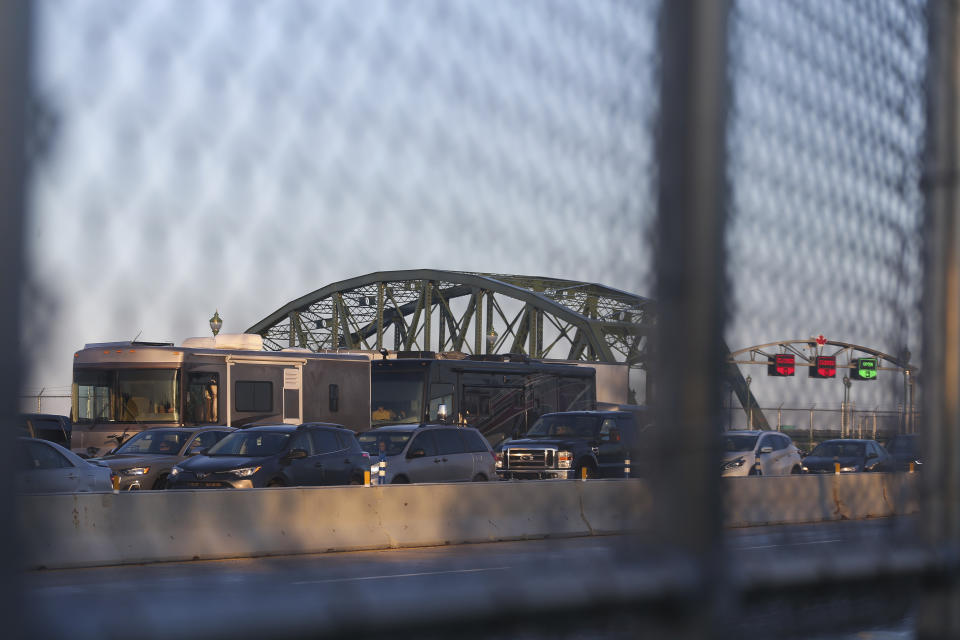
x,y
396,397
126,395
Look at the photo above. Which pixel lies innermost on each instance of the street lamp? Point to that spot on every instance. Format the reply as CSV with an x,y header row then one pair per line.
x,y
215,323
845,413
749,408
491,340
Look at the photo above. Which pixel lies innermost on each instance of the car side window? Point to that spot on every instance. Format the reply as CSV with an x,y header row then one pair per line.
x,y
605,428
45,457
345,440
448,442
474,440
781,442
765,441
301,441
426,442
205,440
324,441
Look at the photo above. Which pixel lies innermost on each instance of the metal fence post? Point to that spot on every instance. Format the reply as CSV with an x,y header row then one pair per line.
x,y
690,290
940,611
15,30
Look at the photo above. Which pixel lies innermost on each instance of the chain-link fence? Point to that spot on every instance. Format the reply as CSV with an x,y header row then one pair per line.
x,y
755,167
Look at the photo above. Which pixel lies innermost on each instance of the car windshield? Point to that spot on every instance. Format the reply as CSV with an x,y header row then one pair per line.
x,y
839,450
903,444
565,427
739,443
396,397
254,444
393,442
164,442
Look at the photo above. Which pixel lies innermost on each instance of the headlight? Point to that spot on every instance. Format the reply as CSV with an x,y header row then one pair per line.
x,y
564,459
175,471
498,457
847,469
734,464
135,471
245,472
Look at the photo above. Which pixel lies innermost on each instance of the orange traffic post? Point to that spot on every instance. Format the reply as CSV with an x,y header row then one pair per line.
x,y
583,473
366,478
912,463
836,468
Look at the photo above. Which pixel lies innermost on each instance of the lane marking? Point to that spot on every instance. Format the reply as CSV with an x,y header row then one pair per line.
x,y
789,544
402,575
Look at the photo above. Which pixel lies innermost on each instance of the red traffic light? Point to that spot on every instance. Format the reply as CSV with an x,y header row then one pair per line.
x,y
782,364
824,367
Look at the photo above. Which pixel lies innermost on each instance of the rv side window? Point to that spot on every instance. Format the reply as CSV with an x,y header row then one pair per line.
x,y
254,395
334,398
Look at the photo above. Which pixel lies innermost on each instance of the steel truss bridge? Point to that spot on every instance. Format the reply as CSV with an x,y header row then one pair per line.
x,y
473,313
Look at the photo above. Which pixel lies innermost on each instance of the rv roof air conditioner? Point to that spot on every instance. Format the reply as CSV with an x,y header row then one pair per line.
x,y
234,341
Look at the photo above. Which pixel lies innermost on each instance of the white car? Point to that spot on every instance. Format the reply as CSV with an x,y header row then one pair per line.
x,y
46,467
775,452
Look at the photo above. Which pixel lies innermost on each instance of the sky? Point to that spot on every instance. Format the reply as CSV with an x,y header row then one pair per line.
x,y
234,156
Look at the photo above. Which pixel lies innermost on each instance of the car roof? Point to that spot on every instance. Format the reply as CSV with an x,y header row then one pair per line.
x,y
281,428
415,427
193,429
589,413
855,440
325,425
747,432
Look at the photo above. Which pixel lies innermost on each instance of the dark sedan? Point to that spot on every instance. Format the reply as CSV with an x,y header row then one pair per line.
x,y
276,456
145,460
852,455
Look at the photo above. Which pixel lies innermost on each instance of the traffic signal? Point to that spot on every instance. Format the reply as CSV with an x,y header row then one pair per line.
x,y
782,364
824,367
865,369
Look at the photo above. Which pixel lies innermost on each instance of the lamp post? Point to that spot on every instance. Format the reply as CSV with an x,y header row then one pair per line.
x,y
845,418
749,408
491,340
215,323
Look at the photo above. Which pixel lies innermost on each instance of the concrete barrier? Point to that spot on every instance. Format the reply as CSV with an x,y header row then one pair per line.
x,y
754,501
75,530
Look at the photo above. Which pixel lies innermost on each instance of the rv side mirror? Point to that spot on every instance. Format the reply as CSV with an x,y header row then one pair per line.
x,y
614,435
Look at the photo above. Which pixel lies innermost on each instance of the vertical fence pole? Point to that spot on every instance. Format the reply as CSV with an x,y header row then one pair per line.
x,y
15,30
939,615
690,290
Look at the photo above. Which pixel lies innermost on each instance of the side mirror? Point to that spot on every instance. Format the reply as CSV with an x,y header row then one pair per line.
x,y
417,453
296,454
766,449
614,435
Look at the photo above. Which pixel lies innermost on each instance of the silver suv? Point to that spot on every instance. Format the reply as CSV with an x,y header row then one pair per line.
x,y
430,453
767,453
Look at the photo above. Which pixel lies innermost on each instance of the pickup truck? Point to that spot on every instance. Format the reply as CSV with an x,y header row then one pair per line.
x,y
567,444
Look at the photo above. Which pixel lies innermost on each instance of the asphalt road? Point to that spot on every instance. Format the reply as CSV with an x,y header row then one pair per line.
x,y
437,588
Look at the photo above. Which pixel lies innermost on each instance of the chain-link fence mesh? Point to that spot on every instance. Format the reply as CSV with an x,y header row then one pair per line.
x,y
234,156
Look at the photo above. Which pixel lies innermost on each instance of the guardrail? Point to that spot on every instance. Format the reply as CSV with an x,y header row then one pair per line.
x,y
76,530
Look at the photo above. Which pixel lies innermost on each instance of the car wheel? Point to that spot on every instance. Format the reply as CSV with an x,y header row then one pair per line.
x,y
479,478
796,470
161,483
401,480
276,482
754,471
356,479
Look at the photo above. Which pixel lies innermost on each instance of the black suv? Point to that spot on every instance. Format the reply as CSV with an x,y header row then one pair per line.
x,y
563,445
275,456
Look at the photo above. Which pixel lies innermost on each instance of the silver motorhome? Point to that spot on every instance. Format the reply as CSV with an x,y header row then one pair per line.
x,y
121,388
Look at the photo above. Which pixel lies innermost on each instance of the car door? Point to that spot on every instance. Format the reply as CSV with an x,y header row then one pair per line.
x,y
456,462
610,450
49,471
426,468
483,462
333,458
767,460
303,471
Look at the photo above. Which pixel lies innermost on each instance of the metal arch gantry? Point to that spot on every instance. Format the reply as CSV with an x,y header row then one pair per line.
x,y
474,313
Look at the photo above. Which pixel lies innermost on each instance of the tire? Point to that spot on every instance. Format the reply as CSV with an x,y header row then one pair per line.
x,y
755,472
796,471
276,482
161,483
479,478
355,480
401,480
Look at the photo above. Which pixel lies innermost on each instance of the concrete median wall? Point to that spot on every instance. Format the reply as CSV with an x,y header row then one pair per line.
x,y
68,530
